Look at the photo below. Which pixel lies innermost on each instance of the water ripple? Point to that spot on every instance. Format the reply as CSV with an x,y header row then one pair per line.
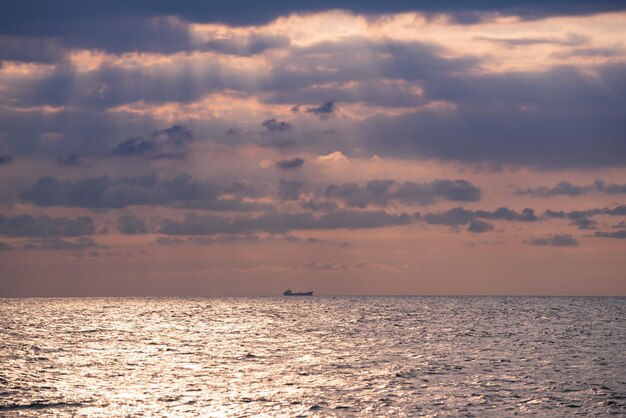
x,y
395,356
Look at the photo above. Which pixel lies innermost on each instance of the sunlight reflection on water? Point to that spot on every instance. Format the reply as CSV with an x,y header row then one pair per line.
x,y
393,356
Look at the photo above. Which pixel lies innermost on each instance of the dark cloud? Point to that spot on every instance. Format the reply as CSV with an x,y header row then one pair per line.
x,y
477,226
225,239
71,160
5,247
565,188
610,188
160,34
460,216
194,224
6,159
131,225
291,164
526,215
163,144
361,219
289,189
584,223
280,223
451,217
618,210
582,218
176,134
382,192
150,189
513,118
319,205
503,118
621,234
60,244
324,110
94,21
301,73
557,240
134,146
573,215
46,226
275,125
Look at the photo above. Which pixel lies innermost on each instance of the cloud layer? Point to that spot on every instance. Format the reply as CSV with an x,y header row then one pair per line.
x,y
435,140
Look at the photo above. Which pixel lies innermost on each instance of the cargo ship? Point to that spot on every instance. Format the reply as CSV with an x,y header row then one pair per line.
x,y
288,292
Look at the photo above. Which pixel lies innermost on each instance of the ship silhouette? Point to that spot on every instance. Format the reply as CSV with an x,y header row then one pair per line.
x,y
288,292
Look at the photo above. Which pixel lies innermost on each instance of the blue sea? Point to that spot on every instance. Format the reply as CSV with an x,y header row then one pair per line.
x,y
313,356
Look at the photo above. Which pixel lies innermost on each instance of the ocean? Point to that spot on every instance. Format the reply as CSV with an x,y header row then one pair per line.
x,y
313,356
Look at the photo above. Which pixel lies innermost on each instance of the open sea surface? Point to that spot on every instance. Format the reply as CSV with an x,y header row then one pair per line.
x,y
313,356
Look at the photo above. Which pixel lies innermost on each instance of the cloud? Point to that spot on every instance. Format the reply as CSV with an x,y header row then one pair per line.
x,y
225,239
143,23
617,210
71,160
280,223
477,226
291,164
319,205
60,244
333,157
131,225
164,144
451,217
289,189
324,110
610,188
149,189
565,188
46,226
460,216
275,125
557,240
581,219
584,223
6,159
5,247
382,192
460,113
519,118
620,234
134,146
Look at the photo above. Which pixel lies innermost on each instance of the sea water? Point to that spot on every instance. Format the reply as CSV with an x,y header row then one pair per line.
x,y
313,356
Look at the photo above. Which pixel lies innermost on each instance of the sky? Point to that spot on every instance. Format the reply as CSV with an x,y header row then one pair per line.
x,y
210,148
